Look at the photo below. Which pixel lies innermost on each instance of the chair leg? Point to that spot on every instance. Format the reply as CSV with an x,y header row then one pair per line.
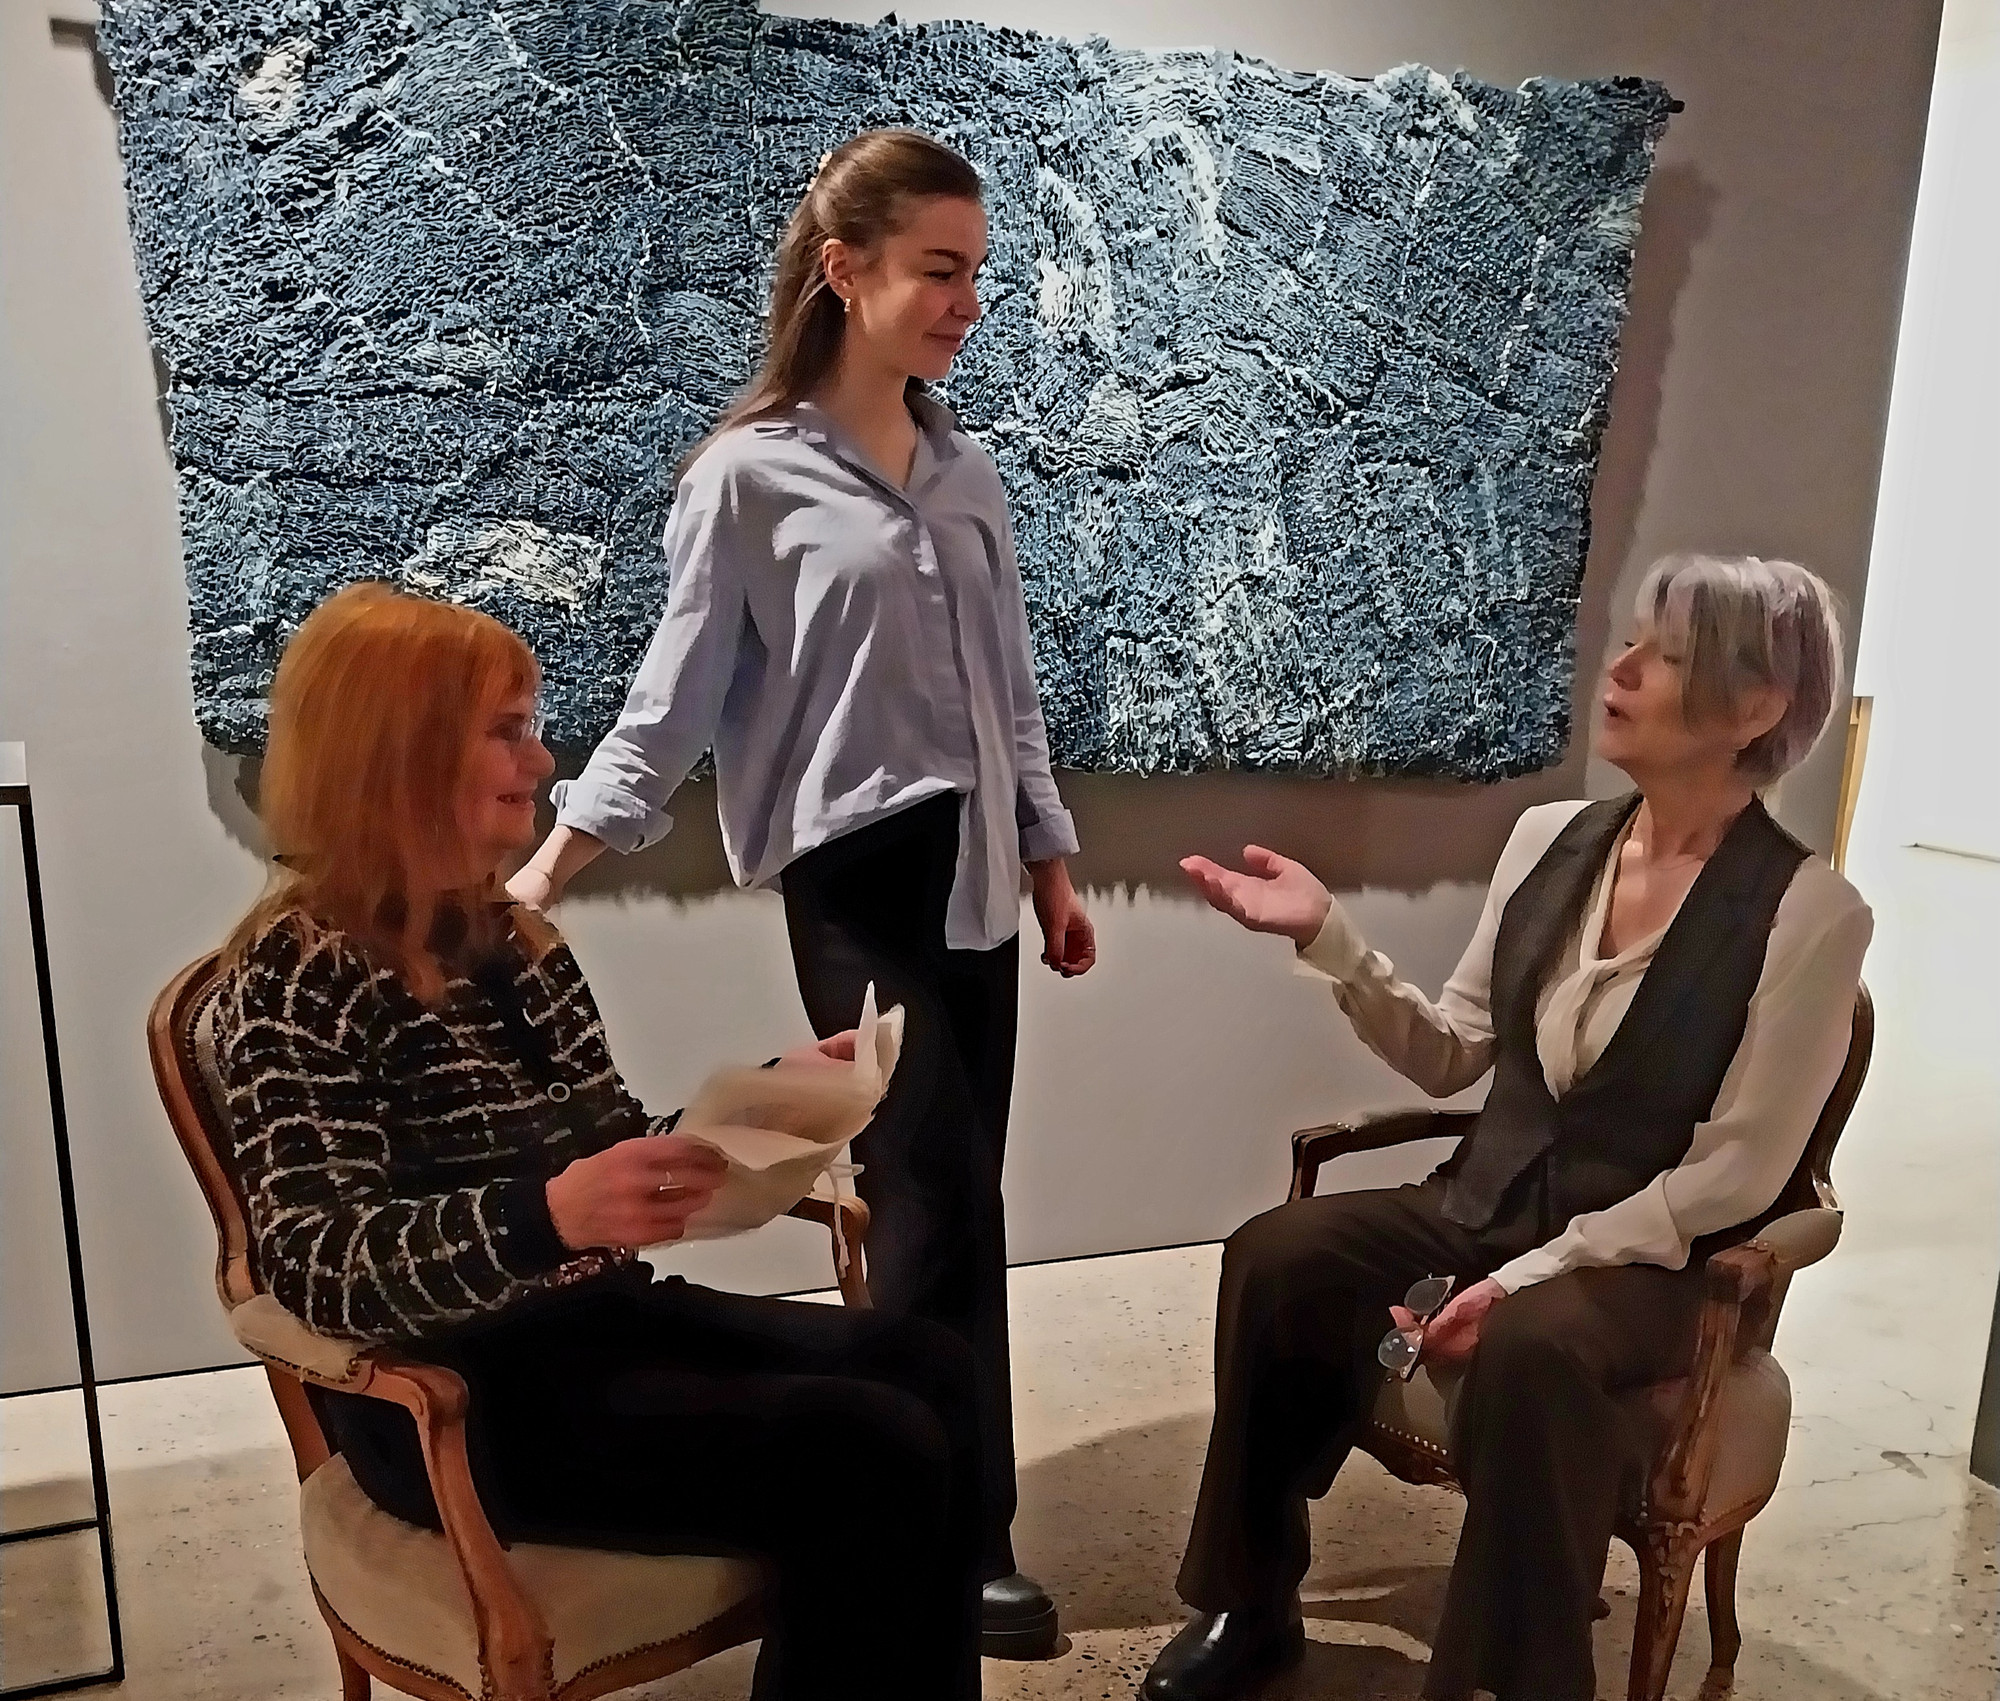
x,y
1666,1572
355,1684
1725,1639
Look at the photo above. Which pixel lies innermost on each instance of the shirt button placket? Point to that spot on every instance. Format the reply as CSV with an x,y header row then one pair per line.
x,y
948,675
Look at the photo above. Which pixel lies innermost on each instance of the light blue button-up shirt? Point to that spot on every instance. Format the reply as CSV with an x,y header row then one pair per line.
x,y
847,649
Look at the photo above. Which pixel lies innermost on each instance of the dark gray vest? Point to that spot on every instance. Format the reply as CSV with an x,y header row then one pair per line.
x,y
1532,1161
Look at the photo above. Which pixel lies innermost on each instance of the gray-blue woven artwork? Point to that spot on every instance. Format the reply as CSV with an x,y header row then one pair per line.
x,y
1296,381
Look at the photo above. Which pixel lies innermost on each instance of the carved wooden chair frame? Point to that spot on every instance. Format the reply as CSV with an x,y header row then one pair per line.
x,y
1745,1289
515,1647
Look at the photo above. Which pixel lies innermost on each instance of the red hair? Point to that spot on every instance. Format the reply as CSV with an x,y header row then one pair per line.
x,y
378,698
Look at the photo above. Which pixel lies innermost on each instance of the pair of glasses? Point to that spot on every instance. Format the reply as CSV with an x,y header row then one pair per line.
x,y
520,731
1401,1350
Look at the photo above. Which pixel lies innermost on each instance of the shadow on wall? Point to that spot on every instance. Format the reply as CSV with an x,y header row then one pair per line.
x,y
1678,214
1394,834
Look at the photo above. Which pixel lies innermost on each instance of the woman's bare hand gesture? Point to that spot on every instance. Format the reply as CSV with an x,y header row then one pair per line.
x,y
1277,895
637,1193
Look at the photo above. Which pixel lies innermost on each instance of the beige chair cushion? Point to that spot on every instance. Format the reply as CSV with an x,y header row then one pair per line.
x,y
398,1588
1756,1418
264,1327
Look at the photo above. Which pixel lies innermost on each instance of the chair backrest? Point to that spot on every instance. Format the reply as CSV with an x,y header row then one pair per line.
x,y
177,1031
1811,1183
180,1036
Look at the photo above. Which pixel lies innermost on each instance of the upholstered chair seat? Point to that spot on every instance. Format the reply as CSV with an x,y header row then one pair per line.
x,y
398,1589
1753,1416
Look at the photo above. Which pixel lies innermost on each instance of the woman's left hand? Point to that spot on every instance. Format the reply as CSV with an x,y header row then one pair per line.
x,y
1069,942
1451,1335
835,1048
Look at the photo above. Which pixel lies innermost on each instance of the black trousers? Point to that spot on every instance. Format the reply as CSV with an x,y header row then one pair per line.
x,y
870,906
1540,1442
837,1448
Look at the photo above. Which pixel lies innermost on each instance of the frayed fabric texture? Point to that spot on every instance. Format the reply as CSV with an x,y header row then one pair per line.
x,y
1296,381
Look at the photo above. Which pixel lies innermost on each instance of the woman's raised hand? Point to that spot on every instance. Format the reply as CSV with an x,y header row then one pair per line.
x,y
1277,895
636,1193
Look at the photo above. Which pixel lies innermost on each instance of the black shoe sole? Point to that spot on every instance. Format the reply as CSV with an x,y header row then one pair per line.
x,y
1027,1639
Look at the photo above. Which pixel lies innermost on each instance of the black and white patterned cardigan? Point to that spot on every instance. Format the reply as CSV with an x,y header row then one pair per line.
x,y
395,1155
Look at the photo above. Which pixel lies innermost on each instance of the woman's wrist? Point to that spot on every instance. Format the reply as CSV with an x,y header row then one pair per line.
x,y
561,856
1051,873
1313,926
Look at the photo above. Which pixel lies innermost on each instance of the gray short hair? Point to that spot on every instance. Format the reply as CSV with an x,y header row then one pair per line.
x,y
1737,622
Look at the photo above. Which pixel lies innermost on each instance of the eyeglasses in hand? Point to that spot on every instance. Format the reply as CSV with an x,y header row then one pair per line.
x,y
1401,1350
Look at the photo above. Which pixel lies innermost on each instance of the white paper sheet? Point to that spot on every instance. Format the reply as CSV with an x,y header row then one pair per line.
x,y
787,1128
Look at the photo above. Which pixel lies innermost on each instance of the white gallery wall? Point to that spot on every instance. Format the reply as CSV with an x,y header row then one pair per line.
x,y
1928,645
1156,1094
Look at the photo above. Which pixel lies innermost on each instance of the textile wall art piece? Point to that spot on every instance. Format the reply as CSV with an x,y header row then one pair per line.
x,y
1296,381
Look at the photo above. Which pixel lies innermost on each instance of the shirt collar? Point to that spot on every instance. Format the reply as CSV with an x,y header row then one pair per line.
x,y
936,426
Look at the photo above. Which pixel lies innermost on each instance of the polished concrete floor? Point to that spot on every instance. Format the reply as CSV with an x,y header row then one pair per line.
x,y
1871,1575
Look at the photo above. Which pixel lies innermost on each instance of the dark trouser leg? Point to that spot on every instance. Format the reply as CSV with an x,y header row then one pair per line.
x,y
1304,1301
839,1448
1545,1450
870,907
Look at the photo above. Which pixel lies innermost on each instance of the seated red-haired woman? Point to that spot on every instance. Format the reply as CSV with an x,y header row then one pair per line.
x,y
439,1154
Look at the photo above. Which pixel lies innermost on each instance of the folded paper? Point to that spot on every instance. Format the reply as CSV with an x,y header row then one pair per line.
x,y
785,1130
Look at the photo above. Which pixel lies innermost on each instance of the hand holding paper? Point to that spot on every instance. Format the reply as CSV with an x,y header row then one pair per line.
x,y
781,1129
636,1193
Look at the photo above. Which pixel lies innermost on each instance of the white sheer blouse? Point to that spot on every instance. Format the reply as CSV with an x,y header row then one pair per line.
x,y
1792,1050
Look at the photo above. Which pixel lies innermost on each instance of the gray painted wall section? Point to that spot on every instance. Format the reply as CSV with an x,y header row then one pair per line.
x,y
1156,1094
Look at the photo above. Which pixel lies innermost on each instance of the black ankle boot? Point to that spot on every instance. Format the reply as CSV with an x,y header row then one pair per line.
x,y
1017,1620
1220,1655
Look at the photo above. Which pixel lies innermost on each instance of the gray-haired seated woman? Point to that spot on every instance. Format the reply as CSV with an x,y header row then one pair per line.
x,y
1663,985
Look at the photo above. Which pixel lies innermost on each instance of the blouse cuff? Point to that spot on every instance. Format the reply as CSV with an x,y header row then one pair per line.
x,y
1337,951
624,823
1637,1230
1530,1268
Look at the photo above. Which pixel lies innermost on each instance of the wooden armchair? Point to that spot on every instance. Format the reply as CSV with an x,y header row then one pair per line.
x,y
451,1616
1726,1420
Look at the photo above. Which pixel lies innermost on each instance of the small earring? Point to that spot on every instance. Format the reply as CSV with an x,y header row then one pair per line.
x,y
847,304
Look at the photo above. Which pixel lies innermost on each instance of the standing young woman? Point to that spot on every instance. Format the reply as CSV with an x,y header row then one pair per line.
x,y
845,628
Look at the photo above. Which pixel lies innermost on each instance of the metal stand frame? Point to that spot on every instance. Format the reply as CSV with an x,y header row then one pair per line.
x,y
14,790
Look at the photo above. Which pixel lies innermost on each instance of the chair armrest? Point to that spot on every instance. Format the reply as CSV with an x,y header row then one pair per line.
x,y
267,1331
1312,1147
515,1645
851,1215
514,1640
1737,1283
1802,1238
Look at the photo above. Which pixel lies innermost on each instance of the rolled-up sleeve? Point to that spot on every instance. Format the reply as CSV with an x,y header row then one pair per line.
x,y
676,697
1046,827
